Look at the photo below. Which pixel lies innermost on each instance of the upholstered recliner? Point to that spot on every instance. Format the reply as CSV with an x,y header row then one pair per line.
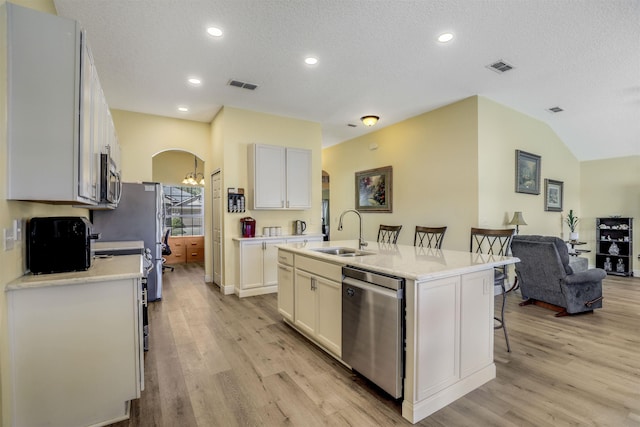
x,y
544,274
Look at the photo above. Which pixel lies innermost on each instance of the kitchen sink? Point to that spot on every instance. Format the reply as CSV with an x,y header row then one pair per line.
x,y
343,251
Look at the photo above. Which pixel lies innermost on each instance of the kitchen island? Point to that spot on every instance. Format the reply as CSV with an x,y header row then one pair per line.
x,y
449,309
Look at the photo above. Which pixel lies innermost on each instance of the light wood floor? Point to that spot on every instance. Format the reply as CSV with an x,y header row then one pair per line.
x,y
222,361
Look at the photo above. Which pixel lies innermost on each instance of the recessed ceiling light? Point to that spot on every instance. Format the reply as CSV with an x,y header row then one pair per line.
x,y
214,31
194,81
310,60
445,37
183,109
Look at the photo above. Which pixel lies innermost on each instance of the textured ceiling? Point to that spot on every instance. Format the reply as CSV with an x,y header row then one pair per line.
x,y
376,57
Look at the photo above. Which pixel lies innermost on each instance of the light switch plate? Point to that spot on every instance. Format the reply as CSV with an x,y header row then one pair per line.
x,y
17,230
7,238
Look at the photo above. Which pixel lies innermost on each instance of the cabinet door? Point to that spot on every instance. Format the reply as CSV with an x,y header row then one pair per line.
x,y
437,303
88,182
298,178
329,309
251,262
270,262
91,333
476,334
305,302
269,177
285,291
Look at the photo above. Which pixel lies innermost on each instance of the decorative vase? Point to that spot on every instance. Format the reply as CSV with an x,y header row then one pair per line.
x,y
573,236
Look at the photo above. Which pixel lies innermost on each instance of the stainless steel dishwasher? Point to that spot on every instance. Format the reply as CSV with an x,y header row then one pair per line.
x,y
373,327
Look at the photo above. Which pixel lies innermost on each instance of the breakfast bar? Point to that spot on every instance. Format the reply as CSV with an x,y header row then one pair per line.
x,y
448,307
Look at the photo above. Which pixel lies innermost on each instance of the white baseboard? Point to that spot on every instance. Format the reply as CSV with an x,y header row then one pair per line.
x,y
256,291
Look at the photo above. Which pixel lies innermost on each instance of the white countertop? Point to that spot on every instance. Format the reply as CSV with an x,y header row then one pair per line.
x,y
118,246
287,236
410,262
108,268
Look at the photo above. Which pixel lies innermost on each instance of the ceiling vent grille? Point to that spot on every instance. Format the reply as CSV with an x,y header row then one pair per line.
x,y
555,109
500,67
243,85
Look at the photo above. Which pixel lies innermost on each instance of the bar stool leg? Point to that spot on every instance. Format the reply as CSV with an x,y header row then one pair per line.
x,y
500,319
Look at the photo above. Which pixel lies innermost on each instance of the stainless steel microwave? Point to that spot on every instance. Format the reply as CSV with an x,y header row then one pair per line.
x,y
110,181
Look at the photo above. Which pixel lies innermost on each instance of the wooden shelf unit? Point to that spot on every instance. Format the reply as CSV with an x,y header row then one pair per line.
x,y
618,231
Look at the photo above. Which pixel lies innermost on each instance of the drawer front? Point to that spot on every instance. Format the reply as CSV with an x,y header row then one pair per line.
x,y
194,242
285,257
320,268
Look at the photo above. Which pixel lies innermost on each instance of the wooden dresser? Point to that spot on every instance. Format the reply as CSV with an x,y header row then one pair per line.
x,y
185,249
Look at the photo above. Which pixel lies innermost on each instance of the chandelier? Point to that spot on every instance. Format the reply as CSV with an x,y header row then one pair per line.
x,y
195,177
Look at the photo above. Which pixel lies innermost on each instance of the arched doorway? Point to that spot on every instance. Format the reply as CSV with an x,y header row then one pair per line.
x,y
183,203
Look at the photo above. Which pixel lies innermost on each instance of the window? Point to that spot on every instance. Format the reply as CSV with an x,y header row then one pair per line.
x,y
183,209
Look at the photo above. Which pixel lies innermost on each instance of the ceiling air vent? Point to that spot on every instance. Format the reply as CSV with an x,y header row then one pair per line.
x,y
555,109
500,67
243,85
351,125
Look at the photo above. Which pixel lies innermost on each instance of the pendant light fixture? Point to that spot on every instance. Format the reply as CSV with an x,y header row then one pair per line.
x,y
195,177
369,120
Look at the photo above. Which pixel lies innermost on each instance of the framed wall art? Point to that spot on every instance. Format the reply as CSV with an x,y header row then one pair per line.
x,y
374,190
527,173
553,193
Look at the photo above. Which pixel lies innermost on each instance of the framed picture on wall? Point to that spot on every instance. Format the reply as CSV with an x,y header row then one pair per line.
x,y
527,173
553,195
374,190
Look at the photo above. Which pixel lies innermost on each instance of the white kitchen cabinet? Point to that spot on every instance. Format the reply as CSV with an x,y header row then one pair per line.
x,y
257,267
462,307
279,177
298,162
76,344
286,285
318,302
57,111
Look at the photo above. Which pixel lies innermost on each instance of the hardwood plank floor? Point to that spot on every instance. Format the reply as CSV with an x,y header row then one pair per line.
x,y
218,360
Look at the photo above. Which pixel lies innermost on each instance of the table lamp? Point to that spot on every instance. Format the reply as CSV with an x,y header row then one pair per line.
x,y
517,220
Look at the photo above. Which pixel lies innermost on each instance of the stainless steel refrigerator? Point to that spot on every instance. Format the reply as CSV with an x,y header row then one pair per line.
x,y
138,216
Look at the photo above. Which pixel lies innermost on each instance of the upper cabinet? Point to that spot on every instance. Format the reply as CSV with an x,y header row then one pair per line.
x,y
279,177
58,119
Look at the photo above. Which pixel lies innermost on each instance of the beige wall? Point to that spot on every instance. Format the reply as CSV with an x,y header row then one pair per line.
x,y
142,136
171,167
232,131
502,131
434,160
454,166
610,187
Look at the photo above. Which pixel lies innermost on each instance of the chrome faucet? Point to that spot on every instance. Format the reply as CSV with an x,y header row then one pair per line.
x,y
361,241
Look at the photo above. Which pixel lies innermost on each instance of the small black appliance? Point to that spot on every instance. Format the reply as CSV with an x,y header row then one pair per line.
x,y
59,244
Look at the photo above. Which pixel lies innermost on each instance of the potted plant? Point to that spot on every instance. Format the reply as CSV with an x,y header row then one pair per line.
x,y
572,222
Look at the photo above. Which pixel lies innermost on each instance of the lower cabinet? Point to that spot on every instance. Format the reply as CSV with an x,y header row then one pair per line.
x,y
257,267
317,301
76,351
185,249
462,307
286,285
